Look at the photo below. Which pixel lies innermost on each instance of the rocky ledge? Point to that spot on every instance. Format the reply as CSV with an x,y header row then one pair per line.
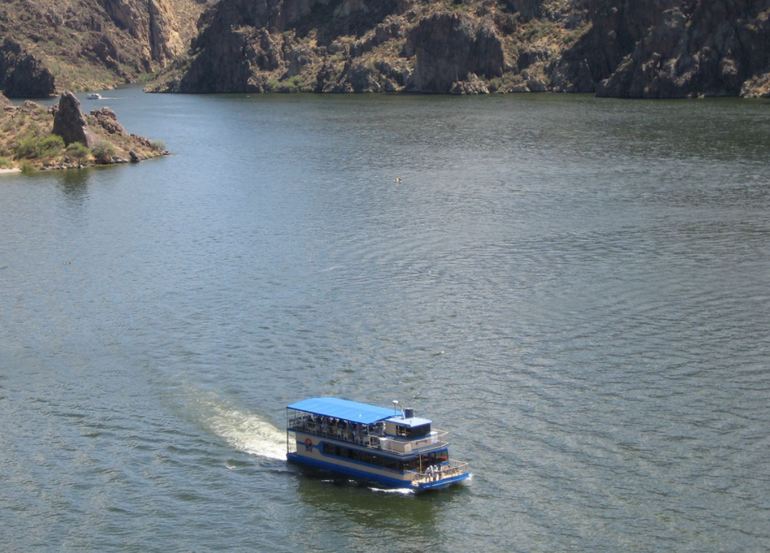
x,y
33,137
624,48
21,74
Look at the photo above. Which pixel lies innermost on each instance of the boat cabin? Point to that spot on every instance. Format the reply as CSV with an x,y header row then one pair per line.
x,y
407,427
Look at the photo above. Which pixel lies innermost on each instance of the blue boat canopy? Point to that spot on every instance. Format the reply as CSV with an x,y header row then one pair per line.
x,y
343,409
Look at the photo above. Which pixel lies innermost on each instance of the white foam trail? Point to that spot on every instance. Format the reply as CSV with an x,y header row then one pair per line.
x,y
402,491
243,430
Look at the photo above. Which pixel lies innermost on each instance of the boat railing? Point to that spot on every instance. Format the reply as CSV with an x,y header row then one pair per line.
x,y
329,431
369,439
436,473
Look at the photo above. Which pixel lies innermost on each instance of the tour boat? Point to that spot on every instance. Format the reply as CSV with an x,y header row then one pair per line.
x,y
389,447
94,96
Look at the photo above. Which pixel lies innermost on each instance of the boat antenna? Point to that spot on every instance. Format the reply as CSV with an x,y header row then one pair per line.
x,y
395,406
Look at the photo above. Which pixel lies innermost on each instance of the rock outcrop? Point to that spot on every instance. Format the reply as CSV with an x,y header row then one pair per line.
x,y
152,23
451,48
757,87
21,74
108,120
247,46
68,121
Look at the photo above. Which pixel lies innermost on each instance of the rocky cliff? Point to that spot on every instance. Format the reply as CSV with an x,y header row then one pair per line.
x,y
628,48
671,49
22,75
376,45
82,44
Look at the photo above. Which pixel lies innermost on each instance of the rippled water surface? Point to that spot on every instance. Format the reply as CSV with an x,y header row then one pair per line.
x,y
577,289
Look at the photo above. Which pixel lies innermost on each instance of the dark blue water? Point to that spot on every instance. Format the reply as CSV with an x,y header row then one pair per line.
x,y
577,289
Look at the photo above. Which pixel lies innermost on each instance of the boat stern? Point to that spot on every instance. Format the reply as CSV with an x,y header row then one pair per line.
x,y
439,484
442,476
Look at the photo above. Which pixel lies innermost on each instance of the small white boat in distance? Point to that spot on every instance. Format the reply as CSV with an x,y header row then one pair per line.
x,y
387,446
94,96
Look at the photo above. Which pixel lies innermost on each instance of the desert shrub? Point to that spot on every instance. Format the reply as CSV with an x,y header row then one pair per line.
x,y
78,151
103,152
5,163
158,145
26,148
293,83
33,147
50,145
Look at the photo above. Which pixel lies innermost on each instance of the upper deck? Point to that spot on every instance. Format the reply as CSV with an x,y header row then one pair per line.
x,y
370,426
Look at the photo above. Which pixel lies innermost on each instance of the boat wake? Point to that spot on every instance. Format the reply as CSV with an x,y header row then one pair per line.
x,y
243,430
400,491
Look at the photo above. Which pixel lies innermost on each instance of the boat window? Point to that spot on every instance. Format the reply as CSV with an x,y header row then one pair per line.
x,y
435,458
418,431
409,432
358,455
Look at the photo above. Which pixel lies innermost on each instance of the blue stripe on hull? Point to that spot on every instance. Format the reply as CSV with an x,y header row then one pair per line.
x,y
357,474
444,483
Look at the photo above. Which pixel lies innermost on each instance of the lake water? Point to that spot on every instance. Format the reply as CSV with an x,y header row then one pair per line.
x,y
577,289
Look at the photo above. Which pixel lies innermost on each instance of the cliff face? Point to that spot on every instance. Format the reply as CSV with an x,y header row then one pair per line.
x,y
671,49
372,45
475,49
91,43
251,46
629,48
21,74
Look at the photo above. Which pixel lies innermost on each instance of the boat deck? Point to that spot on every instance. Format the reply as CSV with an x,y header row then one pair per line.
x,y
364,436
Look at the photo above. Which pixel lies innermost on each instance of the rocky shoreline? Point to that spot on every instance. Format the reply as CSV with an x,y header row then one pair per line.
x,y
36,138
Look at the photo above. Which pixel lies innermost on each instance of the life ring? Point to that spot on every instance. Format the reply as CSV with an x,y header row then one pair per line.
x,y
308,444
